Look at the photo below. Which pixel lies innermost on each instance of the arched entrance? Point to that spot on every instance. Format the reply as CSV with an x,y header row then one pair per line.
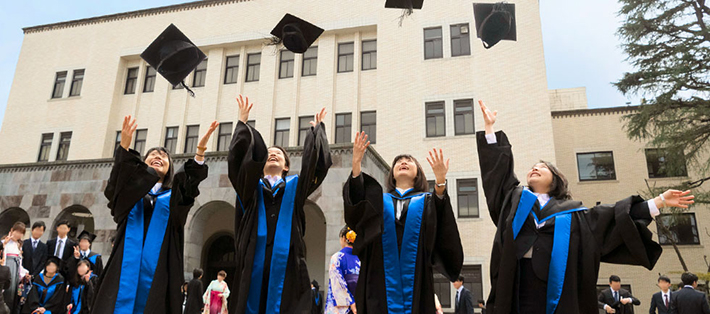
x,y
209,237
315,244
219,255
79,218
12,215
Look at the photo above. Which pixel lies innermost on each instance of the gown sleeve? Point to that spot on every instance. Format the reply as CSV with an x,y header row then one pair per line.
x,y
447,251
338,285
130,180
32,302
314,167
245,162
362,198
497,172
225,291
185,188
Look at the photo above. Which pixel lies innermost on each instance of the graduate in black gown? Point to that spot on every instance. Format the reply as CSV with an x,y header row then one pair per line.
x,y
81,288
547,247
150,206
271,275
194,304
83,252
48,291
403,234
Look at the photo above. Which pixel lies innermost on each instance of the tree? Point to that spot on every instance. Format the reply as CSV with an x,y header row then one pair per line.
x,y
668,44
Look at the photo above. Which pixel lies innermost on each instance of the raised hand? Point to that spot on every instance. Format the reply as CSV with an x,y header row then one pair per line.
x,y
88,276
244,108
76,252
319,117
202,145
489,117
129,126
675,198
359,147
440,168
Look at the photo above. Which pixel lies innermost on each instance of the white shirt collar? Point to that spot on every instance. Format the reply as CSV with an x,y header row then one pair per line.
x,y
689,286
273,180
156,188
62,239
34,240
459,290
86,253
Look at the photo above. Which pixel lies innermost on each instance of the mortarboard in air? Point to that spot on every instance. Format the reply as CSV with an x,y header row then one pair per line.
x,y
494,22
295,34
174,56
408,7
87,235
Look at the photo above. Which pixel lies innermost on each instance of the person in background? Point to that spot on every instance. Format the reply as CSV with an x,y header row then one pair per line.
x,y
615,299
5,278
343,275
48,295
661,300
317,301
687,300
62,247
464,299
437,304
81,288
34,251
84,252
482,306
194,303
12,255
215,298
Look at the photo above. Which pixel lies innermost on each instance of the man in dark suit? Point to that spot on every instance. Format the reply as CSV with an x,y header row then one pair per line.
x,y
615,299
687,300
464,299
62,246
194,304
34,251
661,300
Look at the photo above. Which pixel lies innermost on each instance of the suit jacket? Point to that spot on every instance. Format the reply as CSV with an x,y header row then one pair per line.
x,y
658,306
606,297
465,303
33,259
689,301
65,256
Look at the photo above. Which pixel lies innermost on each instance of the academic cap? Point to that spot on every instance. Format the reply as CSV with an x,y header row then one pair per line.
x,y
494,22
296,34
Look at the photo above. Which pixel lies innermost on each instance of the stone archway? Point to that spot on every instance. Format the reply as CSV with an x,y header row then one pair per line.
x,y
315,239
210,221
218,255
12,215
79,218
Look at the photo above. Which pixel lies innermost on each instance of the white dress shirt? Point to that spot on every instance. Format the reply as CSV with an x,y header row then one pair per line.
x,y
458,294
59,250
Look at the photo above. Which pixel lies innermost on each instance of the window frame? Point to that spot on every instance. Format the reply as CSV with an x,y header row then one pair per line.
x,y
372,54
433,41
348,58
579,170
253,67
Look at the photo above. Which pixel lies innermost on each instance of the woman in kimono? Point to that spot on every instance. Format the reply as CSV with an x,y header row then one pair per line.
x,y
150,206
343,274
48,292
271,272
215,298
402,233
547,247
13,260
81,288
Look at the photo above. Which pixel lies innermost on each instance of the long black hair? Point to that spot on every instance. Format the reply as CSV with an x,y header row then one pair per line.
x,y
76,281
168,179
559,188
420,183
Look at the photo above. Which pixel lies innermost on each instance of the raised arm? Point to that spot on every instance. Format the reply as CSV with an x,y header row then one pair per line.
x,y
495,157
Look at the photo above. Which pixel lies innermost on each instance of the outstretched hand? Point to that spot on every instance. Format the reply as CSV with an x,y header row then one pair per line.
x,y
319,117
440,167
489,117
359,147
129,126
202,145
244,108
676,198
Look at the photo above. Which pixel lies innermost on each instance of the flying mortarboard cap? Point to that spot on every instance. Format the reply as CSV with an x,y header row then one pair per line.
x,y
87,235
296,34
404,4
494,22
174,56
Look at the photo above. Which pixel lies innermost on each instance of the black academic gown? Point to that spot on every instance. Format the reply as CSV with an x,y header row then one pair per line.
x,y
81,295
97,264
194,304
52,296
131,180
439,245
605,233
247,157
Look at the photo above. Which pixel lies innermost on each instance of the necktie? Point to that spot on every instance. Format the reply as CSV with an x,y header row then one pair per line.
x,y
457,297
58,251
665,296
616,296
34,244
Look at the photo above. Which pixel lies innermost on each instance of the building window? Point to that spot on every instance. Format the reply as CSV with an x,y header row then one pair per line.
x,y
310,62
117,143
433,47
76,82
443,289
191,137
45,146
657,162
232,71
64,141
252,123
460,44
596,166
346,57
286,65
463,116
343,127
683,228
253,65
368,124
59,81
304,126
200,73
369,55
225,136
131,80
139,143
149,83
467,197
435,119
473,280
171,138
281,132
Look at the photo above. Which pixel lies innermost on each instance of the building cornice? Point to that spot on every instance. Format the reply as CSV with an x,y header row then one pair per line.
x,y
593,112
129,15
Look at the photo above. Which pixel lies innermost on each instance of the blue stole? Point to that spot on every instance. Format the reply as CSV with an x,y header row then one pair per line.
x,y
77,297
140,258
50,291
279,253
400,265
92,259
560,244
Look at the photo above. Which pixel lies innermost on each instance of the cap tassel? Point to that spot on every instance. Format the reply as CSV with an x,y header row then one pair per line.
x,y
406,12
189,91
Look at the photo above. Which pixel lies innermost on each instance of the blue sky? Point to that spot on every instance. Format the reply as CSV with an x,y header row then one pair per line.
x,y
581,48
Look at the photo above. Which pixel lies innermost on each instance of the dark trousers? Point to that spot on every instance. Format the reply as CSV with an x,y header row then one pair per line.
x,y
533,291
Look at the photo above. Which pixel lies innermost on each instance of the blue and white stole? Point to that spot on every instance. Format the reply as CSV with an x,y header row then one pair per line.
x,y
400,265
560,244
50,289
77,296
279,253
140,258
93,258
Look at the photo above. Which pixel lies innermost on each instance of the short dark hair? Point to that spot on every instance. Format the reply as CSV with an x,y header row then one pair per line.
x,y
688,278
482,302
168,179
286,159
77,278
559,188
222,273
664,278
460,278
63,222
420,183
197,273
614,278
20,227
39,224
